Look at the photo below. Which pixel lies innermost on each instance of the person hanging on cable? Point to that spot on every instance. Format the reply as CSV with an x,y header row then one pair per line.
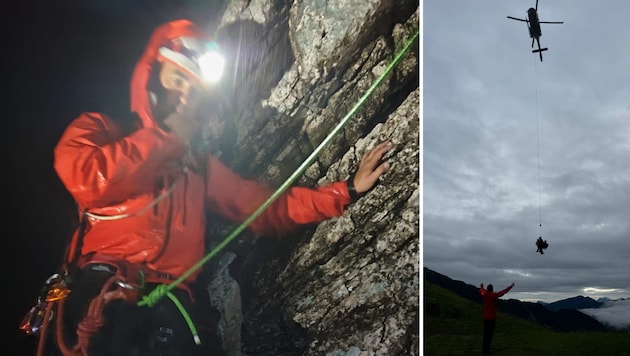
x,y
541,245
143,191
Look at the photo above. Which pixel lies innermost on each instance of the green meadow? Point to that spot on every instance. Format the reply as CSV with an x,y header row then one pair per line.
x,y
453,325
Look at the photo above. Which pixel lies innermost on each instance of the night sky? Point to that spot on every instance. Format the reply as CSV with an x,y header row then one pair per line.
x,y
61,58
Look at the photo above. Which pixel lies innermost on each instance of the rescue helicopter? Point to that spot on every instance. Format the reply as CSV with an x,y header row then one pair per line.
x,y
533,24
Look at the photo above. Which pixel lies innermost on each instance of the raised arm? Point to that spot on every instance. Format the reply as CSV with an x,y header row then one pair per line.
x,y
500,293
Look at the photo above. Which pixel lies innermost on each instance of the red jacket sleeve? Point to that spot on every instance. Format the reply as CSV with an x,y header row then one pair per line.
x,y
237,199
502,292
99,166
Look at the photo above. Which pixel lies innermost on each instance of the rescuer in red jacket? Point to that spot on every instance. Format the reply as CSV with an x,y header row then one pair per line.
x,y
490,305
144,193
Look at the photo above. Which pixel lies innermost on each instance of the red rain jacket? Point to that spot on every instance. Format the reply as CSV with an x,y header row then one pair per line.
x,y
490,301
110,173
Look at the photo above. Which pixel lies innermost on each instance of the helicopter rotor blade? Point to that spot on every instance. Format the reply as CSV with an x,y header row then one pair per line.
x,y
536,5
514,18
557,22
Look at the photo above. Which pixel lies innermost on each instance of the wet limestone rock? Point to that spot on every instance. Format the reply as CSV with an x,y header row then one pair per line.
x,y
350,285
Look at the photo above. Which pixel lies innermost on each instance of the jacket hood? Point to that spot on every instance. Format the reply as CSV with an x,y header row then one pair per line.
x,y
140,97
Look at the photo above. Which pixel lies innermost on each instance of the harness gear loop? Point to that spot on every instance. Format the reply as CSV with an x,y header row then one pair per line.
x,y
133,277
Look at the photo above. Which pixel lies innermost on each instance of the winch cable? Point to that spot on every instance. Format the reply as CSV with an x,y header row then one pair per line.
x,y
151,298
538,152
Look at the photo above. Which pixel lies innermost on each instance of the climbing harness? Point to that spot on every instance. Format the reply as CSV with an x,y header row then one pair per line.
x,y
94,318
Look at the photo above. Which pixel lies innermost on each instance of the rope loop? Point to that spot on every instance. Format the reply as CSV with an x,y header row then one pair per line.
x,y
154,297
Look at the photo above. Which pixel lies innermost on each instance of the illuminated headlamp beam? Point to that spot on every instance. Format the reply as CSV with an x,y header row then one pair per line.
x,y
211,65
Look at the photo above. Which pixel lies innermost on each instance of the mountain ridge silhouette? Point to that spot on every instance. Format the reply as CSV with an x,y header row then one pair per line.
x,y
562,316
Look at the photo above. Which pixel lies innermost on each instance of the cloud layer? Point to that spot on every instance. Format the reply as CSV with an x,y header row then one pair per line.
x,y
615,314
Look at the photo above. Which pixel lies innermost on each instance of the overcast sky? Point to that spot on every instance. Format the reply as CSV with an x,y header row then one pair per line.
x,y
511,143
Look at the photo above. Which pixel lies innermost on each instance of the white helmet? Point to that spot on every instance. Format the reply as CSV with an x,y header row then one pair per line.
x,y
197,57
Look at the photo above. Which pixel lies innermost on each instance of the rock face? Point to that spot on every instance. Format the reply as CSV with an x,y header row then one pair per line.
x,y
302,98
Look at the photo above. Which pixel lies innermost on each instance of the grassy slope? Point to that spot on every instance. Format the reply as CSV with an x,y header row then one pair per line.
x,y
454,326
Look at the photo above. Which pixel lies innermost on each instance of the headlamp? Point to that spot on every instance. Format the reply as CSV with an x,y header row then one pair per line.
x,y
203,60
211,64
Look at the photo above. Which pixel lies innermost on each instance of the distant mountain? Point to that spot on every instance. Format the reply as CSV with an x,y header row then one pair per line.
x,y
605,300
561,320
574,303
452,327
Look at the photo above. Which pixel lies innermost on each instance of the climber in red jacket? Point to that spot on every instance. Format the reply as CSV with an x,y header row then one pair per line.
x,y
143,194
490,305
